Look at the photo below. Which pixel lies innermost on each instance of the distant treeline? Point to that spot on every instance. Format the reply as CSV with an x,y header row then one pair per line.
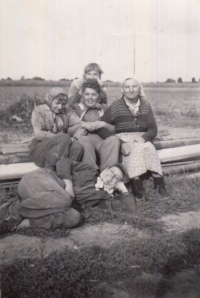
x,y
67,83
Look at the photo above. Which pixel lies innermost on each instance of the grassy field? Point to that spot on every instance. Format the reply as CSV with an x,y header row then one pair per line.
x,y
163,264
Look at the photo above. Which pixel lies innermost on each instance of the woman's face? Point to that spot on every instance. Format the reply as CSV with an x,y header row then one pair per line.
x,y
59,103
93,74
130,89
112,176
90,97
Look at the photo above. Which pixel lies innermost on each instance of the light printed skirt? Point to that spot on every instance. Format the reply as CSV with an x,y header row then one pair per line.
x,y
143,156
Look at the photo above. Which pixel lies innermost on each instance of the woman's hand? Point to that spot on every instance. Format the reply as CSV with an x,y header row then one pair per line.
x,y
125,149
80,133
138,139
92,126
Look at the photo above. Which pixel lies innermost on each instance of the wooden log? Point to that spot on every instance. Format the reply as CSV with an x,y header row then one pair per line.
x,y
178,163
16,171
179,153
181,168
11,159
8,149
175,143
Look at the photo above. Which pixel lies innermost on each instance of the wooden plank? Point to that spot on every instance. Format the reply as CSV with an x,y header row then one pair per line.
x,y
175,143
10,159
179,153
16,171
14,148
179,169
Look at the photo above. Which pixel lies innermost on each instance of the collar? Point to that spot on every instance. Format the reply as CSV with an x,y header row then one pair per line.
x,y
131,105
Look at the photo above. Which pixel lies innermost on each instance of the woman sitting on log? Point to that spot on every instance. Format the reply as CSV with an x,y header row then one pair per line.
x,y
135,126
53,124
90,112
47,195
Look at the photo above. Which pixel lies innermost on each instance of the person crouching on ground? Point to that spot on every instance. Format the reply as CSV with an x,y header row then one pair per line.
x,y
53,124
47,195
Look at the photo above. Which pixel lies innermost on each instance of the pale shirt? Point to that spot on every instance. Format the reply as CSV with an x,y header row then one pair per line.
x,y
134,108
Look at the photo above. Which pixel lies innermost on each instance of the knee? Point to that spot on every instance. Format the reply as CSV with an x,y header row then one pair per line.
x,y
73,218
78,147
114,141
63,139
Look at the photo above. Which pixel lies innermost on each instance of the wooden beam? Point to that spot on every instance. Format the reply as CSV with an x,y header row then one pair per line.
x,y
180,169
175,143
179,153
16,171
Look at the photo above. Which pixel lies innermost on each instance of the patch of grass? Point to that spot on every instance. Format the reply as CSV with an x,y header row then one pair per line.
x,y
142,265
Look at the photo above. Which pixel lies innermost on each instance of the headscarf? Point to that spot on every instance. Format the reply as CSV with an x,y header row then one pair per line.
x,y
130,77
52,94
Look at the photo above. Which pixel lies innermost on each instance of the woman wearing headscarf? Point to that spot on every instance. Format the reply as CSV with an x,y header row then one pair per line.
x,y
53,124
135,126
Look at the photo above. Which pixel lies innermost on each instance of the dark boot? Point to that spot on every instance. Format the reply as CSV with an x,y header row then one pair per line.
x,y
160,185
8,225
137,188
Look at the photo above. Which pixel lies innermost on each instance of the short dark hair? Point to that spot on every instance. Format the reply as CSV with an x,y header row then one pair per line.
x,y
93,84
93,66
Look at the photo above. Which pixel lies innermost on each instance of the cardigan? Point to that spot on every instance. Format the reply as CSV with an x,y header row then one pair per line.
x,y
42,121
119,115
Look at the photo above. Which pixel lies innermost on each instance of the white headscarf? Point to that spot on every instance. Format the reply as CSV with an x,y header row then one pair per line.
x,y
129,77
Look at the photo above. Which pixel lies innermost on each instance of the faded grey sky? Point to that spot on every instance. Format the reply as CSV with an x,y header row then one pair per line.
x,y
57,38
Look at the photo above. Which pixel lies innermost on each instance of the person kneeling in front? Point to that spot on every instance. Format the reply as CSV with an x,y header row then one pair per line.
x,y
47,195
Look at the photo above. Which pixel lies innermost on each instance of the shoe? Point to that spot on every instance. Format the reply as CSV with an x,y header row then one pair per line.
x,y
8,225
137,188
160,185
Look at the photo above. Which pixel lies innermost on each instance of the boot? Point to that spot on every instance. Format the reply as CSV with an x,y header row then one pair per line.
x,y
8,225
160,185
137,188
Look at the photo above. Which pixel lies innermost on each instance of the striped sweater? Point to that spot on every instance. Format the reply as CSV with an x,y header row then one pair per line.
x,y
119,115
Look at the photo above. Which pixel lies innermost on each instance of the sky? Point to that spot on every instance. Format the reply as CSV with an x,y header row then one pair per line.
x,y
55,39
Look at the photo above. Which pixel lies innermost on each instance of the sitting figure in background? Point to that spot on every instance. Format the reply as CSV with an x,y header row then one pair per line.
x,y
53,124
47,195
135,126
90,112
91,71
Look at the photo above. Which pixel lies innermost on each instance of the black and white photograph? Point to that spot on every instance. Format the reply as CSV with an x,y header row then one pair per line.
x,y
100,149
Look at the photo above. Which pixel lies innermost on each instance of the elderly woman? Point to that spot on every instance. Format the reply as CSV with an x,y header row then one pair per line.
x,y
136,127
46,200
53,124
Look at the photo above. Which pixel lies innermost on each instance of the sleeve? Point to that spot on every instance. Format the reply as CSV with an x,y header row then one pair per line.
x,y
64,168
103,97
152,127
107,116
73,89
74,99
73,118
104,133
39,126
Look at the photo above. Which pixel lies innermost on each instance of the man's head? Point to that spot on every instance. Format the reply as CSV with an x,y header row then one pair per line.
x,y
92,71
130,88
112,175
90,93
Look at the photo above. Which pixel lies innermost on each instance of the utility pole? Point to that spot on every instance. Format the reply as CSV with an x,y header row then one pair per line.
x,y
134,56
